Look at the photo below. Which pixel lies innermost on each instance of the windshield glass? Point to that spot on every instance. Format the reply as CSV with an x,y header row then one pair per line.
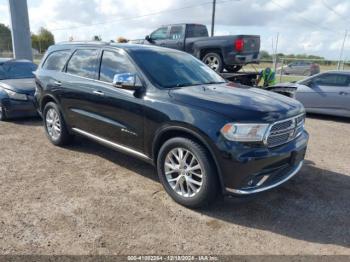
x,y
16,70
169,69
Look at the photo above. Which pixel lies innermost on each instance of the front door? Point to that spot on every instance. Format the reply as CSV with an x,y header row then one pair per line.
x,y
176,37
160,36
327,91
118,113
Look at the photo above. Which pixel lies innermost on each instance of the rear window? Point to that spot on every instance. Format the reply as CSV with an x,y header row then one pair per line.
x,y
197,31
56,60
83,63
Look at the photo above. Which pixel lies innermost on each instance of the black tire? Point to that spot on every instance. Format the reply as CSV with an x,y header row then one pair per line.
x,y
307,73
233,68
208,191
214,61
3,116
64,137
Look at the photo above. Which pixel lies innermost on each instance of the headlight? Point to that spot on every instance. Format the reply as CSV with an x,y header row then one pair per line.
x,y
244,132
16,96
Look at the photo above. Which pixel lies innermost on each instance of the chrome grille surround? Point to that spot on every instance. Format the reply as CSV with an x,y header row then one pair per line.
x,y
284,131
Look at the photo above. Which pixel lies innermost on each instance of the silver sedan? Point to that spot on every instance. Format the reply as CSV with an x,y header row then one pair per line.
x,y
325,93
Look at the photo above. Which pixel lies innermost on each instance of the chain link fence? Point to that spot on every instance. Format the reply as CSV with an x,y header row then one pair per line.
x,y
293,69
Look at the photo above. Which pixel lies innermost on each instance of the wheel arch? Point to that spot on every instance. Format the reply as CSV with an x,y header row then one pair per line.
x,y
169,132
206,50
46,99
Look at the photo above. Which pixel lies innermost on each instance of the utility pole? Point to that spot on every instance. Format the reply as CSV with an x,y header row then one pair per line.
x,y
274,49
213,18
21,41
342,49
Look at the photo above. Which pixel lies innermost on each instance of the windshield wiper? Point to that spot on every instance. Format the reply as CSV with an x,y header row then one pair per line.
x,y
214,82
188,84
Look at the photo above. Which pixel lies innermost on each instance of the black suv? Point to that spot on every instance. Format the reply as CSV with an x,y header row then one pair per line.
x,y
205,135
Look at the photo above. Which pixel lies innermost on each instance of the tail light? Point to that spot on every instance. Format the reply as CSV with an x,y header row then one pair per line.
x,y
239,45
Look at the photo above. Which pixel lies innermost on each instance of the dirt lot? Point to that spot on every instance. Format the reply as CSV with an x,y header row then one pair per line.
x,y
86,199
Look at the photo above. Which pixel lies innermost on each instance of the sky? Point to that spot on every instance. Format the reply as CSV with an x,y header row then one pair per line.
x,y
314,27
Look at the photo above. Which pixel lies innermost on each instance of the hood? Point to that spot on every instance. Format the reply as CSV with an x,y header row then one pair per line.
x,y
240,103
22,86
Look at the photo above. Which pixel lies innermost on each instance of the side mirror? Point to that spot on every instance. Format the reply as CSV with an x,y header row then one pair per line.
x,y
128,81
148,38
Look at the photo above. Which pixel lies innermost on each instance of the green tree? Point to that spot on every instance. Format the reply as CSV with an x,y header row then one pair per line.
x,y
5,38
264,55
42,40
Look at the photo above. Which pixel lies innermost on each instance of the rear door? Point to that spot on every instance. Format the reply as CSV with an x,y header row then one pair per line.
x,y
176,37
77,86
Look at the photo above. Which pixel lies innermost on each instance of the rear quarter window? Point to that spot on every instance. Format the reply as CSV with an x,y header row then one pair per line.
x,y
197,31
56,60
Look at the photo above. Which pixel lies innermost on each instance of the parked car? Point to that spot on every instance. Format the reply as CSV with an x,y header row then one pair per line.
x,y
205,135
17,87
304,68
229,52
325,93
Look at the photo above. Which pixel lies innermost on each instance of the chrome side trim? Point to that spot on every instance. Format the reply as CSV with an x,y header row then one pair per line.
x,y
98,117
111,144
252,191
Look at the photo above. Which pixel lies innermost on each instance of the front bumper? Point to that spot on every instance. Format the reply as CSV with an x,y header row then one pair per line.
x,y
19,108
267,186
252,169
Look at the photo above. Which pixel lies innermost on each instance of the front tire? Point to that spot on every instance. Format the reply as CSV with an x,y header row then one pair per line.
x,y
2,114
55,126
214,61
187,173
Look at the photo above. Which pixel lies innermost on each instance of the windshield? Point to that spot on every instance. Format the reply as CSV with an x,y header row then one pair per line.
x,y
169,69
17,70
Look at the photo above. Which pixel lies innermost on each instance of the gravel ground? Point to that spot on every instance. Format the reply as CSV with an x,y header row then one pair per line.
x,y
86,199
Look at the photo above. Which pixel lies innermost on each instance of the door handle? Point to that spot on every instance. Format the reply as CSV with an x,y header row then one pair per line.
x,y
343,93
99,93
57,83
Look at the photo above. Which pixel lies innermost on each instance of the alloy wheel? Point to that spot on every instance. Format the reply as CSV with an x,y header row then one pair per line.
x,y
183,172
212,62
53,124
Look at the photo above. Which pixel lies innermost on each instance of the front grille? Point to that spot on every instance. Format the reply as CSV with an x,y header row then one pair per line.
x,y
284,131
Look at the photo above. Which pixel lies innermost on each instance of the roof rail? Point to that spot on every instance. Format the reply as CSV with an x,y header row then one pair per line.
x,y
83,42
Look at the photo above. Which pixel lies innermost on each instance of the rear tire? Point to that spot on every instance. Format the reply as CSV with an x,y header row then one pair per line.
x,y
189,177
55,126
307,73
233,68
214,61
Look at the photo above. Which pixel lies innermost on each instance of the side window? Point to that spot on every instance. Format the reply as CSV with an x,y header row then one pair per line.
x,y
56,60
176,32
161,33
348,81
113,63
83,63
197,31
332,80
